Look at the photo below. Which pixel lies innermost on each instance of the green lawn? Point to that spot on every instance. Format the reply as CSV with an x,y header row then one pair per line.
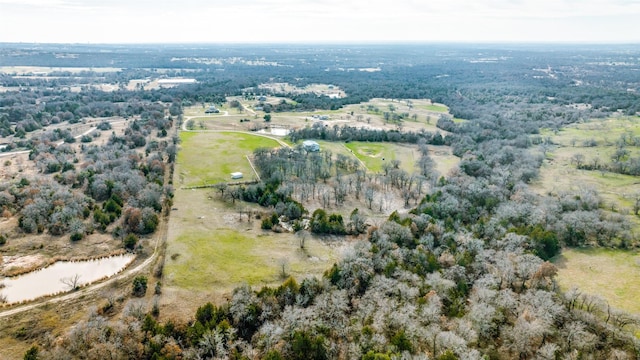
x,y
374,155
211,157
435,108
218,259
612,274
226,258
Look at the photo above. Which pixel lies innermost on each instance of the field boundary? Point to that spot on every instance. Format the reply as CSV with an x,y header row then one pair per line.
x,y
237,183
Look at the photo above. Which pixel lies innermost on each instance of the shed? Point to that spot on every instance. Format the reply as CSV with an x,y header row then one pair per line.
x,y
310,145
236,175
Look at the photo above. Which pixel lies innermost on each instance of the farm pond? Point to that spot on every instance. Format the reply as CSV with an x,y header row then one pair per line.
x,y
61,276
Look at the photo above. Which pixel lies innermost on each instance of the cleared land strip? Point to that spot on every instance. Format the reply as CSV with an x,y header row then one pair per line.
x,y
237,183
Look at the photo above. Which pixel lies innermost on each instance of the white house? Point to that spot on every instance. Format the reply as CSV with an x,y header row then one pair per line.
x,y
236,175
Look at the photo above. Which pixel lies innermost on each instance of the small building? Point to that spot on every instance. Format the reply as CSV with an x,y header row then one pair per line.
x,y
236,175
311,146
212,110
262,98
324,117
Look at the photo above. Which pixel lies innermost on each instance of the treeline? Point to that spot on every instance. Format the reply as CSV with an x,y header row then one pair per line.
x,y
350,133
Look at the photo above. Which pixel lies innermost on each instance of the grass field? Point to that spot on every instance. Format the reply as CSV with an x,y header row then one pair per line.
x,y
425,112
612,274
211,157
443,158
374,155
435,108
210,250
559,173
226,257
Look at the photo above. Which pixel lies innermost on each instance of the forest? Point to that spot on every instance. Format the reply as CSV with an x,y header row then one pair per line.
x,y
464,273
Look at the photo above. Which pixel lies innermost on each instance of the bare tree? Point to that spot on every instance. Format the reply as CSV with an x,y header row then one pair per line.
x,y
302,237
73,282
283,266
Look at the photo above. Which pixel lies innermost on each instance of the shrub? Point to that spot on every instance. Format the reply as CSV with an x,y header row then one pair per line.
x,y
130,241
32,353
139,286
76,236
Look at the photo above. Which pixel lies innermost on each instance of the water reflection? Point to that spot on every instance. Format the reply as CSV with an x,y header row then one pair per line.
x,y
60,277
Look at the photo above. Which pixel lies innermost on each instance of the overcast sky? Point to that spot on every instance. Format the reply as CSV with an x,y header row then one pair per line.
x,y
216,21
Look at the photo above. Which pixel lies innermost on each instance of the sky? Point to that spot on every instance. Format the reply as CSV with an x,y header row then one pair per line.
x,y
309,21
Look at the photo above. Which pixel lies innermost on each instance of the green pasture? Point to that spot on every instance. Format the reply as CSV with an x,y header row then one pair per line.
x,y
226,258
559,171
210,249
216,259
374,155
604,131
435,108
612,274
210,157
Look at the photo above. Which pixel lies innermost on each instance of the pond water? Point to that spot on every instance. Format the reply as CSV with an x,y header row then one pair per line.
x,y
60,276
275,131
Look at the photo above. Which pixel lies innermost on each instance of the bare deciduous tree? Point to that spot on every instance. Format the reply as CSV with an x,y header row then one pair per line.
x,y
73,282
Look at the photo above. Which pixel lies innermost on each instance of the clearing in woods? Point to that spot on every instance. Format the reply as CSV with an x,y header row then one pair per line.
x,y
612,274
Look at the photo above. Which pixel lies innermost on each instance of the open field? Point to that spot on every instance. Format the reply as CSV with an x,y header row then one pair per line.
x,y
559,171
374,155
367,115
210,251
435,108
226,256
612,274
211,157
443,158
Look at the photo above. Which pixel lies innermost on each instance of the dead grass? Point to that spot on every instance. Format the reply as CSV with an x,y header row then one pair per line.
x,y
612,274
